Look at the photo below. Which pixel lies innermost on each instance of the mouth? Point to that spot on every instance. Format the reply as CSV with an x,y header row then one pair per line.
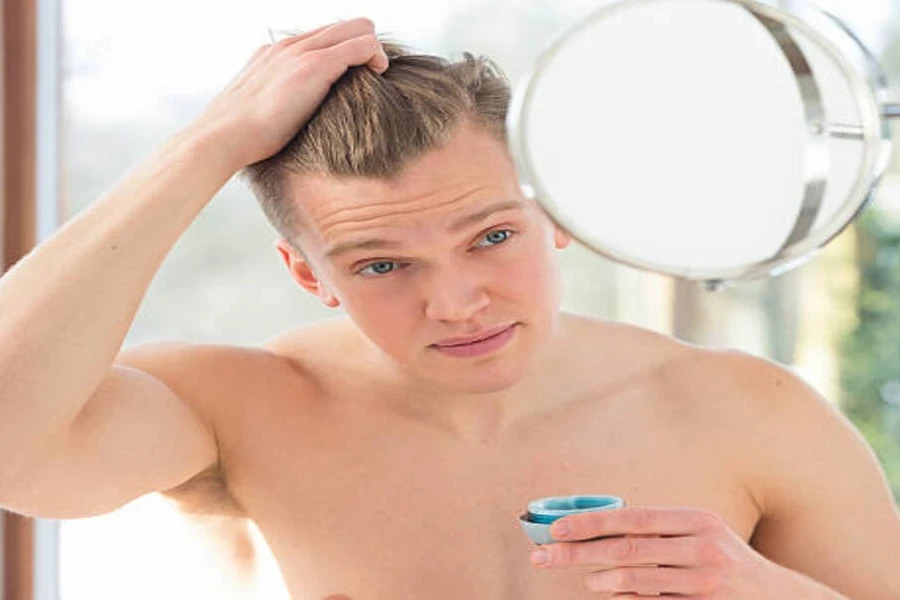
x,y
473,339
479,345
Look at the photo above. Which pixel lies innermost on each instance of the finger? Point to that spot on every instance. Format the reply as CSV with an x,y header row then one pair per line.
x,y
249,65
337,33
379,61
303,35
365,49
652,581
255,56
269,50
642,520
616,552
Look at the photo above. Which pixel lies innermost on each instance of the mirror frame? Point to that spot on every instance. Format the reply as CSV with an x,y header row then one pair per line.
x,y
860,70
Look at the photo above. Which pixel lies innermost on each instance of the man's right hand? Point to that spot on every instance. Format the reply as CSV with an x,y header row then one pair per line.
x,y
283,84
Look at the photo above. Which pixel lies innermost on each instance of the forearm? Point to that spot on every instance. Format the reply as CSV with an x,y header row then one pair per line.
x,y
66,307
806,588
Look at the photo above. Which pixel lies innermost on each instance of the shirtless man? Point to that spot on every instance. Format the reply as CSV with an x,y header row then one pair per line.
x,y
388,454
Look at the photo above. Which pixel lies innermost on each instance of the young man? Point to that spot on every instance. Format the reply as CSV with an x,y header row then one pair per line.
x,y
388,455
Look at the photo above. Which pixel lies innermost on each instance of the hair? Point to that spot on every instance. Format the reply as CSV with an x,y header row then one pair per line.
x,y
372,125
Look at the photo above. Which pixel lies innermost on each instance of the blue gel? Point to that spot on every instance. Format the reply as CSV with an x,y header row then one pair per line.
x,y
548,510
541,513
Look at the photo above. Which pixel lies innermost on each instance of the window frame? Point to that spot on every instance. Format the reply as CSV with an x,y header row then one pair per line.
x,y
29,212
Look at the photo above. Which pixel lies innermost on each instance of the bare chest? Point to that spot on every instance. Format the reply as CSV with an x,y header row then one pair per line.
x,y
369,508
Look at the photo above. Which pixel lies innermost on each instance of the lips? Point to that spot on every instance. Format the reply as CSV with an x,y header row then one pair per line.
x,y
479,337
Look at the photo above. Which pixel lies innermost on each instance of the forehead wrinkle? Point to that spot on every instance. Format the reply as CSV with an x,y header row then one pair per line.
x,y
339,218
457,225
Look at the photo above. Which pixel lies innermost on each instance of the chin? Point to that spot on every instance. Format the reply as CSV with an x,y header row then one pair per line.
x,y
474,382
484,387
494,374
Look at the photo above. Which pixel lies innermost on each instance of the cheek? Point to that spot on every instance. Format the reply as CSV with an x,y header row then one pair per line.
x,y
530,270
384,310
373,296
518,280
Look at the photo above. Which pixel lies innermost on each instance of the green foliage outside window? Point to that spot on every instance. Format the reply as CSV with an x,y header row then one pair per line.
x,y
870,351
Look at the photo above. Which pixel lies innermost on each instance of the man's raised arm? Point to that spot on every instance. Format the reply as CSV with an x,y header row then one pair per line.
x,y
66,307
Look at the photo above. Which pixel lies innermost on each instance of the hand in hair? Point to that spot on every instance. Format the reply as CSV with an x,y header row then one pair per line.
x,y
282,85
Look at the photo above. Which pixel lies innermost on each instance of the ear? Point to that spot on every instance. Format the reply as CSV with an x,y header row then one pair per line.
x,y
301,271
561,238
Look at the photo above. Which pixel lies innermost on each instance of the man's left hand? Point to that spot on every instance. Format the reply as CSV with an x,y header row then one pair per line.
x,y
687,552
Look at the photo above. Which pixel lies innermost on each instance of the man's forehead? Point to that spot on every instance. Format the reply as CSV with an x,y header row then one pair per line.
x,y
348,243
471,173
333,206
317,194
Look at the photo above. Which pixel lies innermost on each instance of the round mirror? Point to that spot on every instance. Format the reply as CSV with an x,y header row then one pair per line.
x,y
715,140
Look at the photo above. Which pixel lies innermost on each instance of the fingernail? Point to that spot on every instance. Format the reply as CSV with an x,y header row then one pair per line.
x,y
560,529
540,558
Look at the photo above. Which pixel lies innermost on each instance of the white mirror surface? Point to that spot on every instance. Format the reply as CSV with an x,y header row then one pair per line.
x,y
685,136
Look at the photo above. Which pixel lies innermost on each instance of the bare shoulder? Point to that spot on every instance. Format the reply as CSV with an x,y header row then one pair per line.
x,y
624,350
750,411
206,375
725,378
223,382
720,389
783,432
741,397
317,342
215,382
216,379
755,392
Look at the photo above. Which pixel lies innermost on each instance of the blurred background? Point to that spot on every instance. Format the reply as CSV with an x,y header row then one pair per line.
x,y
136,72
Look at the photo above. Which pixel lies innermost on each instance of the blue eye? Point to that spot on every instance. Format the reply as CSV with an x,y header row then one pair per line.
x,y
498,236
379,268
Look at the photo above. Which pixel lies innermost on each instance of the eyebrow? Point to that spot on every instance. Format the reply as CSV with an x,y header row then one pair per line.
x,y
459,224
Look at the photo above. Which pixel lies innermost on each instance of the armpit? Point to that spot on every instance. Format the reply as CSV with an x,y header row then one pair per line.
x,y
205,499
206,494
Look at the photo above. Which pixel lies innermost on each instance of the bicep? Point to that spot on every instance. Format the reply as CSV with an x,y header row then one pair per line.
x,y
828,509
135,435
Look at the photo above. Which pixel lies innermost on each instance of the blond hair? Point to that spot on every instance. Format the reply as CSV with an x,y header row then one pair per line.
x,y
372,125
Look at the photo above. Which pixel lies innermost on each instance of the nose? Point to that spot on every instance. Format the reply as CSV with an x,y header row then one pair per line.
x,y
453,295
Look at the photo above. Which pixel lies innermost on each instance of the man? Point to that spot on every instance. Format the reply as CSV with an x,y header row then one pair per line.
x,y
389,454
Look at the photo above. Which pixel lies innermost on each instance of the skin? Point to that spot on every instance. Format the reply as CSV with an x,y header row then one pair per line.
x,y
378,467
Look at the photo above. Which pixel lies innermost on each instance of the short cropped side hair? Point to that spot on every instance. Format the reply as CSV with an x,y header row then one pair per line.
x,y
372,125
